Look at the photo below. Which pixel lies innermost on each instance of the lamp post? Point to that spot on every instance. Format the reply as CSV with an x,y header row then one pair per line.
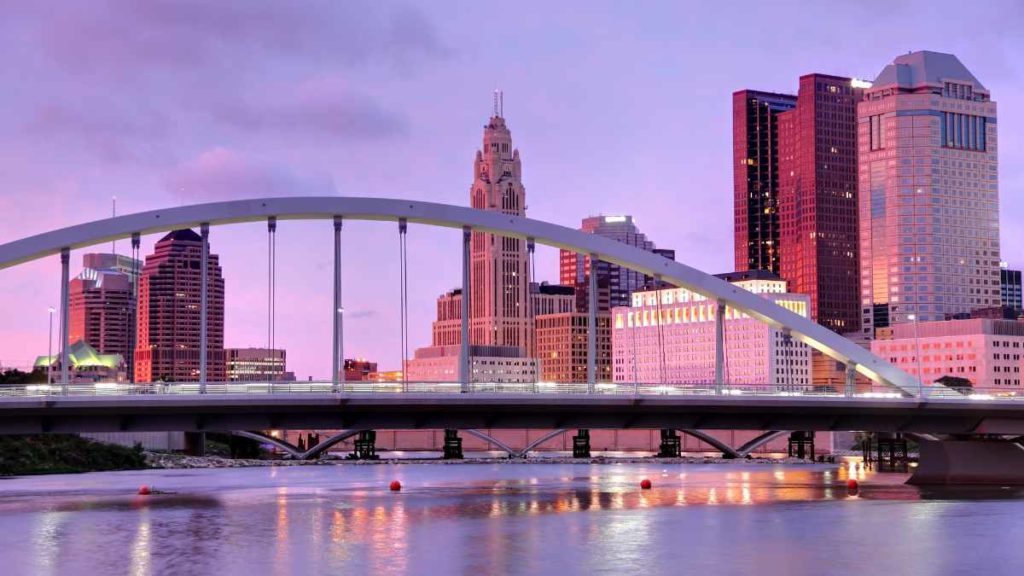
x,y
917,354
49,352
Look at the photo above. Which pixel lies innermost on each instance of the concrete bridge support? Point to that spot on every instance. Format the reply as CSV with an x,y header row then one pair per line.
x,y
980,461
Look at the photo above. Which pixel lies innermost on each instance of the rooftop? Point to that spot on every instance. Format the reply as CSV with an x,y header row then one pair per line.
x,y
926,68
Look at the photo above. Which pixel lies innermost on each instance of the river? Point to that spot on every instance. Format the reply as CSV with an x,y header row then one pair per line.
x,y
481,519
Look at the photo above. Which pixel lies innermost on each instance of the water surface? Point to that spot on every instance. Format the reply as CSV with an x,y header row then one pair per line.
x,y
506,519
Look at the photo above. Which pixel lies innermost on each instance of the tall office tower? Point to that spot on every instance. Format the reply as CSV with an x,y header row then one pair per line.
x,y
116,262
928,192
817,194
101,303
1010,288
755,154
167,348
499,280
574,269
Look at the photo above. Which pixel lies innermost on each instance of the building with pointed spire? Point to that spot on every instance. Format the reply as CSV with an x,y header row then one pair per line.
x,y
499,281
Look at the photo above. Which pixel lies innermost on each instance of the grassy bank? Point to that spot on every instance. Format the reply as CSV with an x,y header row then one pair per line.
x,y
60,453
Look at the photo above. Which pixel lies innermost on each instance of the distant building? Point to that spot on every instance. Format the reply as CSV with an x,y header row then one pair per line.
x,y
562,347
755,154
385,376
359,370
167,347
87,365
668,337
574,269
984,351
488,364
1010,288
256,364
101,307
928,192
552,298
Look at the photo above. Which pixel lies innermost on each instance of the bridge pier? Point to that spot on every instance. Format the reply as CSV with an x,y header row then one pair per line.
x,y
452,445
365,446
671,445
581,444
978,461
801,445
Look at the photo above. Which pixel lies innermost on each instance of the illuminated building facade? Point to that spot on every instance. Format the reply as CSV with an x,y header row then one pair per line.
x,y
488,364
755,152
256,364
562,347
359,370
615,283
167,346
668,337
928,192
817,199
100,308
985,351
499,280
87,365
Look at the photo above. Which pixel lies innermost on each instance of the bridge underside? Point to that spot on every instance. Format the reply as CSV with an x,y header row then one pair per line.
x,y
334,412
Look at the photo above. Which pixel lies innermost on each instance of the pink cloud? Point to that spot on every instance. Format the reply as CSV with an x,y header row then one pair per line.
x,y
222,174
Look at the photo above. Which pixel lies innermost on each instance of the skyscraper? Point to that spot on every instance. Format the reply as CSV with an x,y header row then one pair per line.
x,y
755,152
928,192
101,306
499,283
574,269
169,312
1010,288
817,199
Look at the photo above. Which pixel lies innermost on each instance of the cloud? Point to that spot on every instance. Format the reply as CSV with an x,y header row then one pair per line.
x,y
222,174
323,105
360,314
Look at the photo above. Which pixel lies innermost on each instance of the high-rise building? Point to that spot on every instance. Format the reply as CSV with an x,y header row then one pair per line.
x,y
620,282
755,154
168,343
928,192
100,309
551,298
562,347
668,337
1010,288
256,364
499,281
116,262
817,195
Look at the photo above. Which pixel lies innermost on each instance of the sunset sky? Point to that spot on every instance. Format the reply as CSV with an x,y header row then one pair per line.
x,y
616,107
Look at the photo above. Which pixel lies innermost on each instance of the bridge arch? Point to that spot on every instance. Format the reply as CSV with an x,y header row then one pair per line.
x,y
293,450
443,215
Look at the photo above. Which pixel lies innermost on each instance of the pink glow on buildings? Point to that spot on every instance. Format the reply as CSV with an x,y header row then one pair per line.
x,y
985,351
668,336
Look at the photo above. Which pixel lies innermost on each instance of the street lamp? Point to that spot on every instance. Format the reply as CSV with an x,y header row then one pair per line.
x,y
49,352
917,346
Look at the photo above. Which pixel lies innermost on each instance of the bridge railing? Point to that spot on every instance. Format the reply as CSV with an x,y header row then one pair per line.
x,y
696,389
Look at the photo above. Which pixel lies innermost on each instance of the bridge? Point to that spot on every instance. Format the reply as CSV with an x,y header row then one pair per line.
x,y
898,401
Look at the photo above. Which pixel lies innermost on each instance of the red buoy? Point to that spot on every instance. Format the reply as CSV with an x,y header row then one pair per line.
x,y
645,484
395,486
144,490
852,484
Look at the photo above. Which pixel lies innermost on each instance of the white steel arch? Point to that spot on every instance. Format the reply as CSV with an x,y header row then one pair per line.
x,y
444,215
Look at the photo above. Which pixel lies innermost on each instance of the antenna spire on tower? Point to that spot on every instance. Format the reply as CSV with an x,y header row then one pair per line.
x,y
499,104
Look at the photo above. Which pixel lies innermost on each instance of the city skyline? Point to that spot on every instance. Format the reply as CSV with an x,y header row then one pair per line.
x,y
577,161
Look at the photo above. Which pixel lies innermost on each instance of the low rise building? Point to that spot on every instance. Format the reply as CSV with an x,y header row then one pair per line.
x,y
668,337
987,352
562,344
256,365
86,365
488,364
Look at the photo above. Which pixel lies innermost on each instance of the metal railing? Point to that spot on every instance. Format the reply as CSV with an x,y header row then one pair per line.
x,y
930,392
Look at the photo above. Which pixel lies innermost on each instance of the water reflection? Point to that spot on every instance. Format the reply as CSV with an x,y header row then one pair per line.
x,y
557,519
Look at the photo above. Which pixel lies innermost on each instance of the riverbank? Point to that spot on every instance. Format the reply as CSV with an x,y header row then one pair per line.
x,y
64,454
179,461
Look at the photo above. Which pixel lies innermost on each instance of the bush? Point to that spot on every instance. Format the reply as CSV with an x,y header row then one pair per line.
x,y
63,453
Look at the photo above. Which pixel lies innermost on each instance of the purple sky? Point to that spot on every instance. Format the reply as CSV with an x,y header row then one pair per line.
x,y
614,110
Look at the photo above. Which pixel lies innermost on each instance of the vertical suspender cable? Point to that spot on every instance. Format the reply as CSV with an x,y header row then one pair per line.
x,y
272,292
531,274
403,288
134,327
661,337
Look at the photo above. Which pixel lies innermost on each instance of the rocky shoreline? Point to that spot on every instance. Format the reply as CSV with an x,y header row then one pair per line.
x,y
180,461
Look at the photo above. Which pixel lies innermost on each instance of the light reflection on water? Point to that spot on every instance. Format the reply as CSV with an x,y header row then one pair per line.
x,y
504,518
